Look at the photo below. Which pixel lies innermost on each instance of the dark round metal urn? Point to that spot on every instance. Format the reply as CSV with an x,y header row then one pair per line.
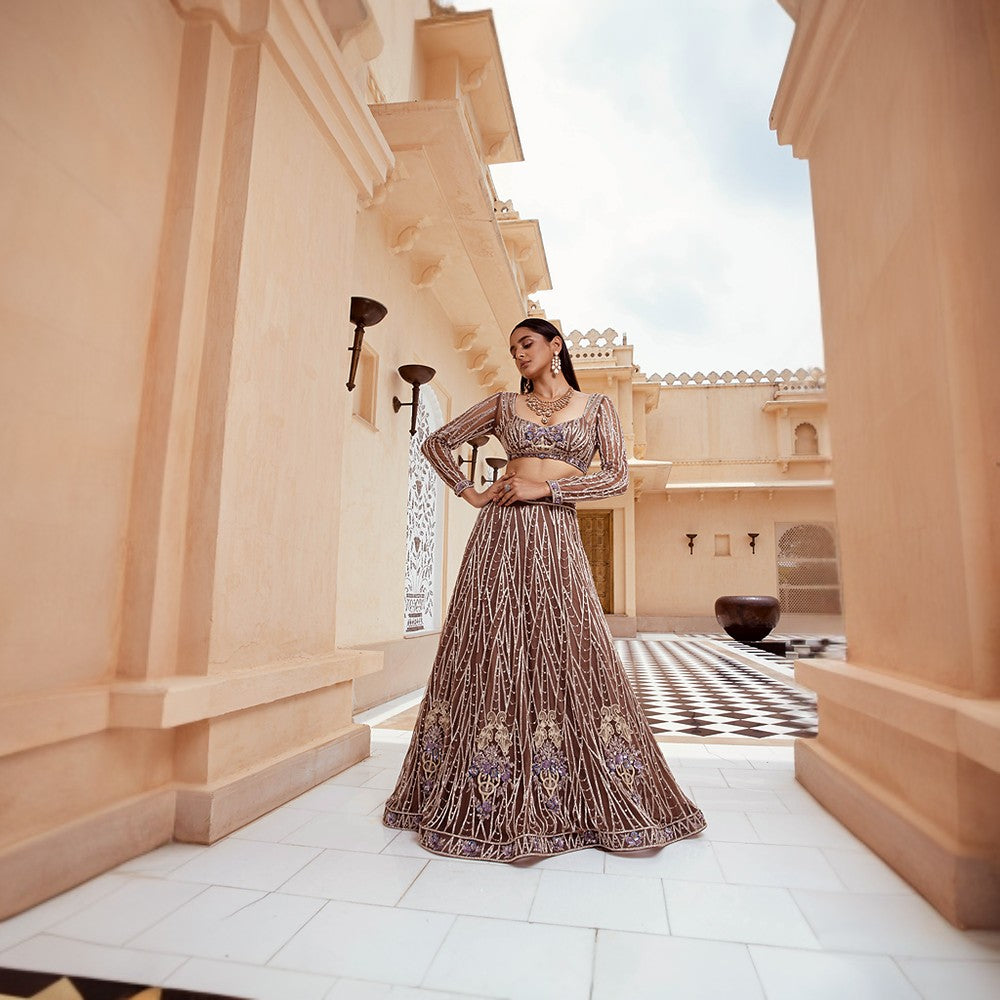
x,y
747,618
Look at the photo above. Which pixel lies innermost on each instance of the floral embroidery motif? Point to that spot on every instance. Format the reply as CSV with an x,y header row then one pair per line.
x,y
545,438
491,767
433,737
549,765
616,734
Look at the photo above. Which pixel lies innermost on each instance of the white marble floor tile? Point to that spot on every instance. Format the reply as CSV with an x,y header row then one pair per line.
x,y
119,916
486,890
162,860
49,953
692,859
902,926
356,989
589,860
702,777
356,776
406,845
31,922
276,825
790,974
246,864
503,958
863,871
784,866
706,761
774,779
239,925
943,980
820,830
356,876
253,982
729,827
340,799
745,800
640,967
747,913
385,779
344,833
617,902
367,942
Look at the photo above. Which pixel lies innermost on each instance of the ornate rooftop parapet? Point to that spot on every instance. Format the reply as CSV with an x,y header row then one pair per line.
x,y
594,346
787,380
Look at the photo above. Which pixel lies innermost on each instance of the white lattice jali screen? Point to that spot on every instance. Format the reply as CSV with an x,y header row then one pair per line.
x,y
424,504
808,573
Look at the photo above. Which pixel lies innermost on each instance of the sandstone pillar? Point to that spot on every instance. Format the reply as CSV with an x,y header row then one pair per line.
x,y
895,104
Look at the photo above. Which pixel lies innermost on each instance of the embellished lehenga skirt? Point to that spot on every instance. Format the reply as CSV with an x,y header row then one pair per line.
x,y
529,740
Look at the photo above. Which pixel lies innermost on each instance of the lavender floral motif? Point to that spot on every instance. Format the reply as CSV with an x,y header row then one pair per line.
x,y
549,765
544,438
433,737
621,760
490,766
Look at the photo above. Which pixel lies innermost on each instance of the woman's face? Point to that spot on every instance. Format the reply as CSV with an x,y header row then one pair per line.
x,y
531,352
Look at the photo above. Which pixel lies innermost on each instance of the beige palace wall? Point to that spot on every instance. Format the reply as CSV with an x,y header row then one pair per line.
x,y
181,185
904,168
676,588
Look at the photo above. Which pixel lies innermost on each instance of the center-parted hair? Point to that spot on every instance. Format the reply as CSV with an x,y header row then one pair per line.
x,y
549,332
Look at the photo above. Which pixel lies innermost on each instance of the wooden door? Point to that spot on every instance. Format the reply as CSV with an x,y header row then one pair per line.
x,y
596,531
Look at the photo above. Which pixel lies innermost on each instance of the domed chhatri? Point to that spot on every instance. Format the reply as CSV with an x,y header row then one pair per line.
x,y
747,618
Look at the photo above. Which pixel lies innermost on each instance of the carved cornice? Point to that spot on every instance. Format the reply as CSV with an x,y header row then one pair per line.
x,y
823,33
303,46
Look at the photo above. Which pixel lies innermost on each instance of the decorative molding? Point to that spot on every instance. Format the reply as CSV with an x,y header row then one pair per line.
x,y
466,337
823,33
787,380
430,274
407,237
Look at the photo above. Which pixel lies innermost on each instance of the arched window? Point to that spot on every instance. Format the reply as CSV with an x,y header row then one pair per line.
x,y
808,576
806,440
424,505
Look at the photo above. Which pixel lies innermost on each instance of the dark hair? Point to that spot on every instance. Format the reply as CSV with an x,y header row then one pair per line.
x,y
549,332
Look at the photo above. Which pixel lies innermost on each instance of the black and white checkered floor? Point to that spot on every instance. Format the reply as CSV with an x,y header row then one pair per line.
x,y
688,687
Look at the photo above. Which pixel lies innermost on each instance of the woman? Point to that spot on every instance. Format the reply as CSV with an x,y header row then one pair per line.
x,y
529,740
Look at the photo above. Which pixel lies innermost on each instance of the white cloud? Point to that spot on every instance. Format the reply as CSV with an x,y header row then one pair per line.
x,y
667,208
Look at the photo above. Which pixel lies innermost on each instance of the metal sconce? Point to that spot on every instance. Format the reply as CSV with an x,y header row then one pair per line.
x,y
416,375
496,464
691,536
752,535
364,312
477,443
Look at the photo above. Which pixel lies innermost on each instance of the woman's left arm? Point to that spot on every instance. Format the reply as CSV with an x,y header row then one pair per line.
x,y
612,478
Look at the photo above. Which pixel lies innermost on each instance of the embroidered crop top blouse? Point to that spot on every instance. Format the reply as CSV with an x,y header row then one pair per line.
x,y
574,441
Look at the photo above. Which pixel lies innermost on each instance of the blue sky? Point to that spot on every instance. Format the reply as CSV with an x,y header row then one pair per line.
x,y
667,208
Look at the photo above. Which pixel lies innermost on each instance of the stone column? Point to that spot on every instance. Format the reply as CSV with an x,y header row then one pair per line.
x,y
895,104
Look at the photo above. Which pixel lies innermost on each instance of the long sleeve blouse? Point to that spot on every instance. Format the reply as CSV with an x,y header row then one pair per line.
x,y
488,417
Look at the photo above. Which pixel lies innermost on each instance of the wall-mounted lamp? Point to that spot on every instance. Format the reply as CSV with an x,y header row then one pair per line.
x,y
416,375
364,312
496,464
477,443
752,535
691,536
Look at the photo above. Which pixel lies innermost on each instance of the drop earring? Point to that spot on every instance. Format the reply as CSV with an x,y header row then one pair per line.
x,y
556,364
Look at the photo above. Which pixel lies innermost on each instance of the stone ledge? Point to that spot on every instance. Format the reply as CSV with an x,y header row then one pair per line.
x,y
970,726
32,721
206,813
32,870
962,884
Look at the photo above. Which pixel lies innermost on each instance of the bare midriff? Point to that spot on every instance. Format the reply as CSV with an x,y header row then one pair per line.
x,y
541,470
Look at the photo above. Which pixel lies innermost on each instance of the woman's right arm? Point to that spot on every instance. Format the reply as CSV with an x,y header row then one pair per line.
x,y
437,449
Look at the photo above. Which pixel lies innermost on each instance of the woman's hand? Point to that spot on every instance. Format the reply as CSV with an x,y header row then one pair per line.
x,y
477,499
510,488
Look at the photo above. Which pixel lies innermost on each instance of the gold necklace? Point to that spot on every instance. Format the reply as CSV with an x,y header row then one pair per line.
x,y
546,407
